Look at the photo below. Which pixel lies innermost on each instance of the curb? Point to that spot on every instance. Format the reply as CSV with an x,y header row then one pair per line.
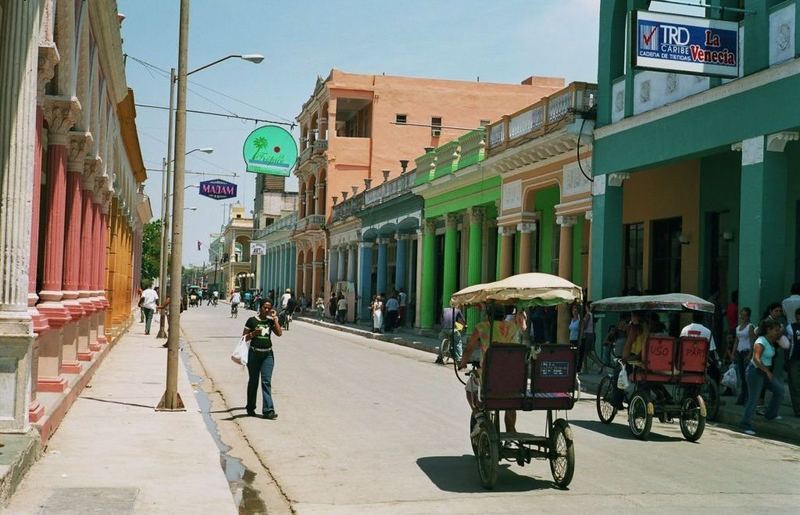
x,y
389,338
18,454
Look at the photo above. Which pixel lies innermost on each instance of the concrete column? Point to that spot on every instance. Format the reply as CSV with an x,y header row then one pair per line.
x,y
606,241
449,269
319,199
87,339
308,278
401,262
763,211
525,236
588,216
301,278
340,262
418,281
365,280
564,270
425,299
506,257
333,265
351,263
475,264
19,29
383,265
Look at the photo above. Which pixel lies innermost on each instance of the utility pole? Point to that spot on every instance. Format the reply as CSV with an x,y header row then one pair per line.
x,y
165,225
171,401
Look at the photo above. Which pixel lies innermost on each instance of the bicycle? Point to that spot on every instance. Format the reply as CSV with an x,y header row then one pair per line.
x,y
284,317
234,310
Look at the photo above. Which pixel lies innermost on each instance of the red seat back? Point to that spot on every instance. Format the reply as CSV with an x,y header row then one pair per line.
x,y
504,376
693,355
658,354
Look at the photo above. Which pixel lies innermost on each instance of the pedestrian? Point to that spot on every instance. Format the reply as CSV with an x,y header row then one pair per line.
x,y
164,308
759,374
745,336
376,308
332,306
285,298
303,302
791,303
696,329
148,303
341,309
575,331
793,363
452,327
320,306
402,300
392,312
141,311
258,330
236,298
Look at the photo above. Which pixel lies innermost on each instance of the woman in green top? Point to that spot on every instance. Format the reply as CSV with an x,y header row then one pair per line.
x,y
258,330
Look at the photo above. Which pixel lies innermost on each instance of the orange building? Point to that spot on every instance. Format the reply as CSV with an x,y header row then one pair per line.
x,y
358,128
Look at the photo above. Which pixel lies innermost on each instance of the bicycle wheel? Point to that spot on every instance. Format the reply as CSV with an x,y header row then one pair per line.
x,y
710,393
640,419
562,453
692,420
488,454
605,408
444,349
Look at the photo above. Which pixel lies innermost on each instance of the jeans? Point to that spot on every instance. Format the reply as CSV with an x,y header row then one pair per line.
x,y
794,385
341,316
741,367
260,363
391,320
756,379
455,343
148,319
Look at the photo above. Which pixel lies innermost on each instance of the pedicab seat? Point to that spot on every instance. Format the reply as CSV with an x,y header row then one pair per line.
x,y
504,377
553,378
693,357
658,360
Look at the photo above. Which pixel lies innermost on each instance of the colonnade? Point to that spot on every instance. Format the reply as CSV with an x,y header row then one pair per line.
x,y
279,268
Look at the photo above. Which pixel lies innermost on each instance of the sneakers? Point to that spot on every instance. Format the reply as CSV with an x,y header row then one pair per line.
x,y
270,415
776,418
251,413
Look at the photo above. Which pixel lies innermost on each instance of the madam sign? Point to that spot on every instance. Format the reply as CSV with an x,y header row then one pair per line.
x,y
218,189
685,44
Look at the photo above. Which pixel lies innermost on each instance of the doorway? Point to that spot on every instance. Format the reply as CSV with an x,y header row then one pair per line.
x,y
665,269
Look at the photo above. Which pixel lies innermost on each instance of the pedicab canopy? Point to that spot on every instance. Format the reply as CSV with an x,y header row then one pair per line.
x,y
667,302
534,289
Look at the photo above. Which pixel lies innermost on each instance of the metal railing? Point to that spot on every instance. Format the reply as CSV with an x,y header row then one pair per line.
x,y
390,189
310,222
319,146
284,223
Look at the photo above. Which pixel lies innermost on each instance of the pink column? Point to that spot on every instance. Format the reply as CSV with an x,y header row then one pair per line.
x,y
87,262
100,272
72,244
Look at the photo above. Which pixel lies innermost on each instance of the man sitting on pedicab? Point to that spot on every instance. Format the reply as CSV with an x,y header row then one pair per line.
x,y
497,330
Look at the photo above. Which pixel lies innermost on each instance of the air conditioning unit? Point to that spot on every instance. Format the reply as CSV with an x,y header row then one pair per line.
x,y
436,132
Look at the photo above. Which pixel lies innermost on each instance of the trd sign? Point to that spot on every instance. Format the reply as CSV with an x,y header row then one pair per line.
x,y
218,189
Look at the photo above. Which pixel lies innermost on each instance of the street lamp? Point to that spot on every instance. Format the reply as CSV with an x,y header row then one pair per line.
x,y
190,209
171,401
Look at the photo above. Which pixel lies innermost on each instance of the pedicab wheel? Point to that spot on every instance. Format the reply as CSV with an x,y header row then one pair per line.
x,y
487,454
639,419
473,420
444,349
692,420
605,409
562,453
710,393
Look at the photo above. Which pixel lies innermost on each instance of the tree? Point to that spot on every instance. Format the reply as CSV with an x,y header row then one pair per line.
x,y
151,250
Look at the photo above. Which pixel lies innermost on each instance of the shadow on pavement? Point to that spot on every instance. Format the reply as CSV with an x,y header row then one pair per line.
x,y
459,474
621,431
118,402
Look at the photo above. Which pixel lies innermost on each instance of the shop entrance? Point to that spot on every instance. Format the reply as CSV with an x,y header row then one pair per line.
x,y
666,255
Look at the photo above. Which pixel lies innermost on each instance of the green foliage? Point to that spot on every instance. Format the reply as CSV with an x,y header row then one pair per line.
x,y
151,250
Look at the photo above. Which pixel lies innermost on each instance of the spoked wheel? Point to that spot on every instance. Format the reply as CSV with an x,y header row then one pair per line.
x,y
710,393
605,407
562,453
692,420
639,419
444,349
487,454
473,421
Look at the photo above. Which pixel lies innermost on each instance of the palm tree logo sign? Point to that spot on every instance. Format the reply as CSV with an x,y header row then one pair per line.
x,y
270,150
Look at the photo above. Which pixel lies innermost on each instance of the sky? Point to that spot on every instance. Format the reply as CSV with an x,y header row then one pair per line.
x,y
500,41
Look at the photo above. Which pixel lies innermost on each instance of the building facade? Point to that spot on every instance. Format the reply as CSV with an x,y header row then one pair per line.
x,y
709,201
235,265
70,180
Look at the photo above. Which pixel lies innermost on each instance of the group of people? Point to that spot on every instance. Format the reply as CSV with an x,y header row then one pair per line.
x,y
388,314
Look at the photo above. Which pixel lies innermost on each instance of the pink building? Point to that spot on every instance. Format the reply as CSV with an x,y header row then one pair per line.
x,y
356,129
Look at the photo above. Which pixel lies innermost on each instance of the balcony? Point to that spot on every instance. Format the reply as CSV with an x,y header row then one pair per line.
x,y
310,222
542,117
284,223
347,208
306,153
391,189
319,146
451,157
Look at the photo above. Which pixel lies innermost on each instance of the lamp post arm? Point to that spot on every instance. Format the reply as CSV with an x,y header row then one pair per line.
x,y
213,63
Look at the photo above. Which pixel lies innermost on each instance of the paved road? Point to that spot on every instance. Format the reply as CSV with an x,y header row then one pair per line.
x,y
367,426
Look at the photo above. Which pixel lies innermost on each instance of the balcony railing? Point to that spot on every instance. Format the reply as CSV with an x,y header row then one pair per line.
x,y
320,146
390,189
310,222
348,208
543,116
306,153
284,223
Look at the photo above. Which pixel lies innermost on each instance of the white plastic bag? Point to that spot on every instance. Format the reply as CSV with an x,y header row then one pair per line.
x,y
622,380
239,354
729,379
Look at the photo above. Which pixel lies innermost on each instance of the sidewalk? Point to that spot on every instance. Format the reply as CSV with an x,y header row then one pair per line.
x,y
787,429
113,453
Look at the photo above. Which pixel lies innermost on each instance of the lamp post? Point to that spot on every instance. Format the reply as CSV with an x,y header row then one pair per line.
x,y
171,401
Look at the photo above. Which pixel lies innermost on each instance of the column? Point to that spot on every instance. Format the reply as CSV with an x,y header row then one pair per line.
x,y
383,265
351,263
449,269
475,258
85,292
319,198
606,242
401,261
19,29
72,343
308,276
763,210
564,270
340,262
588,216
418,281
333,266
506,257
365,280
426,295
301,272
525,244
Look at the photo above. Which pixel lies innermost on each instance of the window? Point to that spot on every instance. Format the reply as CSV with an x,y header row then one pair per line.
x,y
634,256
401,119
436,127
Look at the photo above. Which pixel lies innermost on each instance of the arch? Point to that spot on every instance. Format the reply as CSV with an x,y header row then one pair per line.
x,y
311,186
530,191
370,234
314,132
304,138
242,244
388,229
324,122
300,258
408,225
301,198
319,255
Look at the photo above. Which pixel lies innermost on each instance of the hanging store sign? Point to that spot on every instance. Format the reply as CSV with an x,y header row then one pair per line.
x,y
218,189
270,150
685,44
258,248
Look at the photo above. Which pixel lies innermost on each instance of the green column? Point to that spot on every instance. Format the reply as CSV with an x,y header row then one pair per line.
x,y
606,238
498,254
475,263
428,275
611,54
763,206
450,271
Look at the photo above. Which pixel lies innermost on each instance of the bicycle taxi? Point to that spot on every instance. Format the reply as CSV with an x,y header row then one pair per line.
x,y
667,378
524,378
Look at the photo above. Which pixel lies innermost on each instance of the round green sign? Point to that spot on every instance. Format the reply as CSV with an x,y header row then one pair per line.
x,y
270,150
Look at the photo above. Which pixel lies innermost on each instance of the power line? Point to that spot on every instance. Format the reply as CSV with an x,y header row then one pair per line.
x,y
222,115
210,174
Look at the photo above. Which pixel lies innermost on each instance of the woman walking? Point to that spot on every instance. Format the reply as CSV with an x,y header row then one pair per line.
x,y
258,330
377,314
745,336
759,374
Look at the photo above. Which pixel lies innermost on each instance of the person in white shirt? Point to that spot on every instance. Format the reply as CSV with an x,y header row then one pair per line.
x,y
236,298
285,298
341,309
403,299
148,303
791,303
698,330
